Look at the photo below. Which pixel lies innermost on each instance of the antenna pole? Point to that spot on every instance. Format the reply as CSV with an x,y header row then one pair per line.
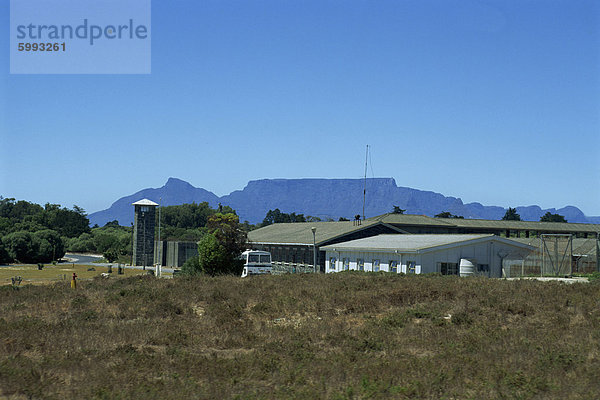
x,y
365,185
159,244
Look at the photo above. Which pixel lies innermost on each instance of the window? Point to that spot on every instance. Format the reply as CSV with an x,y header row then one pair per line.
x,y
144,208
483,268
376,265
346,264
360,263
393,266
332,262
253,258
265,258
411,267
449,268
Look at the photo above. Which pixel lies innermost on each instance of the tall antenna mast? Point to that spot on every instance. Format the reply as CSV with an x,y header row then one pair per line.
x,y
365,186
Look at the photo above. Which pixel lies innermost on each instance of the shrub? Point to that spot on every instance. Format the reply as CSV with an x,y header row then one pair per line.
x,y
212,256
191,266
111,255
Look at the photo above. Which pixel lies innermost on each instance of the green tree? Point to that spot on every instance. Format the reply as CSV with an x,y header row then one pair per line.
x,y
447,214
444,214
227,230
247,226
192,266
82,244
4,258
212,258
219,250
276,216
511,215
48,245
105,240
186,216
17,210
398,210
549,217
19,246
111,255
69,223
37,247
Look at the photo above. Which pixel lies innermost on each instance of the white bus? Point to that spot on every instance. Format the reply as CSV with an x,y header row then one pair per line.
x,y
256,262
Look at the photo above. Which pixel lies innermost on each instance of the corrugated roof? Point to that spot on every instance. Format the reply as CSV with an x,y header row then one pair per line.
x,y
144,202
415,243
526,225
423,220
301,233
411,219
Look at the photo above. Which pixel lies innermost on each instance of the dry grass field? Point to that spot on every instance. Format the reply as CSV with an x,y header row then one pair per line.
x,y
56,273
339,336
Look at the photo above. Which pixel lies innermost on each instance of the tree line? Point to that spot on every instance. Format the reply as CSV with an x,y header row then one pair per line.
x,y
31,233
512,215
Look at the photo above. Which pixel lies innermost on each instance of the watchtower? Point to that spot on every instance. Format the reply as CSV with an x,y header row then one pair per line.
x,y
143,232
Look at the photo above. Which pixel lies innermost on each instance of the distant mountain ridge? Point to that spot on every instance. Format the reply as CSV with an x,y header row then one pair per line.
x,y
323,198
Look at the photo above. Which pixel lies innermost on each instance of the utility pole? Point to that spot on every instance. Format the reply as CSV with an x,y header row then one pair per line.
x,y
598,251
365,185
159,244
314,232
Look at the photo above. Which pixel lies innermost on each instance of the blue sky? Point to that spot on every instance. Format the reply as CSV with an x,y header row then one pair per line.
x,y
491,101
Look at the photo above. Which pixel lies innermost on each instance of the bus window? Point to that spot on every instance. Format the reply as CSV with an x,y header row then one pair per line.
x,y
253,258
265,258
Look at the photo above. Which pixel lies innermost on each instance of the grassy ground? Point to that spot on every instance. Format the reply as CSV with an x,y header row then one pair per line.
x,y
56,273
337,336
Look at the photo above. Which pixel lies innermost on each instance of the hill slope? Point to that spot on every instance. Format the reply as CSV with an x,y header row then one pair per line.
x,y
174,192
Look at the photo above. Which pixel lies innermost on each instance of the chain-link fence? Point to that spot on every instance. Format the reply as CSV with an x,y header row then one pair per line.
x,y
291,268
554,255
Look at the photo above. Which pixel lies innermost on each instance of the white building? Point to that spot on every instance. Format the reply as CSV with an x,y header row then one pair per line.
x,y
419,254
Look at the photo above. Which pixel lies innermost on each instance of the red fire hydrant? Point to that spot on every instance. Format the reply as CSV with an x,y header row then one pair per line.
x,y
74,281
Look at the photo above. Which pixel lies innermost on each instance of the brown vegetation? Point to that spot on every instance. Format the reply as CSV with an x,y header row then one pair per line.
x,y
347,335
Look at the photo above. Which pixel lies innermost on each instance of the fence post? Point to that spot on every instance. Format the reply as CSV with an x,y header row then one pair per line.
x,y
598,251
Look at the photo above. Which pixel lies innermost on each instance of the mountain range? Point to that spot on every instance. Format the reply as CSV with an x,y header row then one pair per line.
x,y
323,198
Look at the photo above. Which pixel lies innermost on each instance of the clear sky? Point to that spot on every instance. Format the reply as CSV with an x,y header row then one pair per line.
x,y
491,101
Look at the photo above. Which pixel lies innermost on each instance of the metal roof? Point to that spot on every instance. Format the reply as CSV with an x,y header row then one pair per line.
x,y
301,233
144,202
423,220
417,243
412,219
527,225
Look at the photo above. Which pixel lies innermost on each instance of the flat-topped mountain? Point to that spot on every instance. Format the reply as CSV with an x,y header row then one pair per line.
x,y
323,198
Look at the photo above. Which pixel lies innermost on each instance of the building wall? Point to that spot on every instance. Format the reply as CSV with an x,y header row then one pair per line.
x,y
292,253
143,235
488,255
175,253
160,252
303,253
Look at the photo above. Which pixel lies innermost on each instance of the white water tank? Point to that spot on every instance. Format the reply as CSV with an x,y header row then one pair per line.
x,y
467,267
